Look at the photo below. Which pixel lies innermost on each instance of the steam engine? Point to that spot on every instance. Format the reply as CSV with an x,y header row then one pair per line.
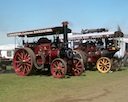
x,y
94,50
56,56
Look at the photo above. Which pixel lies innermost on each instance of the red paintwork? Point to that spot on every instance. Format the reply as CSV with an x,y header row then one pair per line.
x,y
93,54
47,51
44,49
54,53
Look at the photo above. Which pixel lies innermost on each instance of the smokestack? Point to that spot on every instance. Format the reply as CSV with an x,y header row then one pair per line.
x,y
65,31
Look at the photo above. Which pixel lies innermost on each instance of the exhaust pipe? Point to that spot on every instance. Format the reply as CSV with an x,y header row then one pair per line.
x,y
65,31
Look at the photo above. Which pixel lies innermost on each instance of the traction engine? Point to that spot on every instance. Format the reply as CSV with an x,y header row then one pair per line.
x,y
56,56
100,52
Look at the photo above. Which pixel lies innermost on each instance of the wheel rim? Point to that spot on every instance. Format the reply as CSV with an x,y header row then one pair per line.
x,y
77,67
80,54
58,68
116,64
125,60
77,54
103,64
23,62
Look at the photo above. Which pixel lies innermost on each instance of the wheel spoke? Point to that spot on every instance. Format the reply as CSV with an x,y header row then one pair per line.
x,y
22,56
17,62
105,61
101,61
62,70
60,73
77,63
19,56
18,69
106,68
28,64
24,69
26,56
27,68
101,67
78,66
19,65
55,65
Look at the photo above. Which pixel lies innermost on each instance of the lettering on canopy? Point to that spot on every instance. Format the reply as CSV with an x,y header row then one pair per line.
x,y
30,32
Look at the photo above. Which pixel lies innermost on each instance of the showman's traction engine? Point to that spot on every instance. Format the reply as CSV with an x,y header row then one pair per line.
x,y
56,56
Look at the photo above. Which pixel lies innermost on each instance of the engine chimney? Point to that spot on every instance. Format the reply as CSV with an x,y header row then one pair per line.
x,y
65,31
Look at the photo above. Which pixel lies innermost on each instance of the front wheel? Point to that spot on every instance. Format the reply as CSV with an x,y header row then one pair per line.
x,y
77,67
58,68
103,64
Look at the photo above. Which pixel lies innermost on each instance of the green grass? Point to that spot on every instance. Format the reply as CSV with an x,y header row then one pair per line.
x,y
14,88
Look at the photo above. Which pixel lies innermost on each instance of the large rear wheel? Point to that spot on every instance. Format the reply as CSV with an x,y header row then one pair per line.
x,y
116,64
125,60
80,54
103,64
23,61
58,68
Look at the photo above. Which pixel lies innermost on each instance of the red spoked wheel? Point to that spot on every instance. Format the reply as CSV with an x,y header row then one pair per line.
x,y
58,68
77,67
23,61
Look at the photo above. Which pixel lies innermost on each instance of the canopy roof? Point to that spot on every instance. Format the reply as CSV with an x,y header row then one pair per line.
x,y
39,32
79,36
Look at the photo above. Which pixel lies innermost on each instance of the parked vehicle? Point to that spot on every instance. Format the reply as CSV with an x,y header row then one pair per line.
x,y
94,30
6,56
98,49
56,55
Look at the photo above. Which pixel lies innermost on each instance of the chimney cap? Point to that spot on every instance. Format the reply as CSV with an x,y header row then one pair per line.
x,y
65,23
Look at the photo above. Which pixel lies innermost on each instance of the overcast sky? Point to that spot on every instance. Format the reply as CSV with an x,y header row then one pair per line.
x,y
21,15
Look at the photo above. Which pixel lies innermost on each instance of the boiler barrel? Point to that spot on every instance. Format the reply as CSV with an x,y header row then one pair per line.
x,y
109,54
55,54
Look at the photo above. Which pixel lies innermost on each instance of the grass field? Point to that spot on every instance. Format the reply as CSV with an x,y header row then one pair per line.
x,y
85,88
